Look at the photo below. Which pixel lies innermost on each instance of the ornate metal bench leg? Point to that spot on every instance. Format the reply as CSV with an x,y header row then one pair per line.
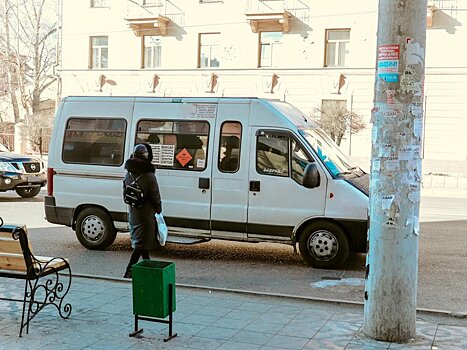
x,y
46,290
66,308
24,308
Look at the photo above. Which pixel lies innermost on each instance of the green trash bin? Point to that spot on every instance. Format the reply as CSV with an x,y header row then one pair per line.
x,y
151,280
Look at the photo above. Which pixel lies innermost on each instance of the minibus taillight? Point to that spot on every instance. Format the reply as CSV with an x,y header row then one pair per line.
x,y
50,181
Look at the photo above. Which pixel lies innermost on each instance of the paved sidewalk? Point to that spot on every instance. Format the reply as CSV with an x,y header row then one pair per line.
x,y
102,319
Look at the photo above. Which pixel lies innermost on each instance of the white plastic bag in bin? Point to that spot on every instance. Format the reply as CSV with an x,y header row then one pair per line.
x,y
162,229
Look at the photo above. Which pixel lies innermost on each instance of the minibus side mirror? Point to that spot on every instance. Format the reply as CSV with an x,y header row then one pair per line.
x,y
311,177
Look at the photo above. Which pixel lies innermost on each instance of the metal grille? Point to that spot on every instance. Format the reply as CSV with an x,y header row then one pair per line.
x,y
32,167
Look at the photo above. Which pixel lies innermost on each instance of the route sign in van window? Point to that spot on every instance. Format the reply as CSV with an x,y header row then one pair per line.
x,y
180,145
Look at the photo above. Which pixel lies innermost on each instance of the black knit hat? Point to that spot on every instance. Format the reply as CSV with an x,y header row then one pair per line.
x,y
141,152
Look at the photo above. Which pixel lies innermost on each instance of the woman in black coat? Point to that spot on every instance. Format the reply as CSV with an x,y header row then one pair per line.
x,y
142,221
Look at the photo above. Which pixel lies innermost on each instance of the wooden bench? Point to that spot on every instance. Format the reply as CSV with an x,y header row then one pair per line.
x,y
44,285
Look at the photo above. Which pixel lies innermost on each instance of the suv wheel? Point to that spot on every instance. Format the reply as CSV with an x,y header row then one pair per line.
x,y
28,192
95,229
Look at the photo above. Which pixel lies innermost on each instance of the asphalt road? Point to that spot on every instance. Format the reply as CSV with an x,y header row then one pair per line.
x,y
270,267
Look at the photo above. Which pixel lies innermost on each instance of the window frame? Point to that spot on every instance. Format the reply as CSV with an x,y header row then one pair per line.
x,y
274,133
260,51
103,4
326,48
162,167
143,52
125,130
153,3
291,137
200,46
220,147
91,52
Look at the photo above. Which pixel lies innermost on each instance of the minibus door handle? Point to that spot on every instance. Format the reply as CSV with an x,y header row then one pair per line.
x,y
255,186
203,183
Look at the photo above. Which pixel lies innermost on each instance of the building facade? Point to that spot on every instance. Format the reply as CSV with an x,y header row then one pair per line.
x,y
301,51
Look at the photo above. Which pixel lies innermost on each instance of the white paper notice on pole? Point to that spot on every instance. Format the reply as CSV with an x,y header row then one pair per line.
x,y
386,201
376,165
413,221
386,111
409,221
374,133
415,165
414,197
392,163
416,109
406,153
414,53
384,150
418,127
416,225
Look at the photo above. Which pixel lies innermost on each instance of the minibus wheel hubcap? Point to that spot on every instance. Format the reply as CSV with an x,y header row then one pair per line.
x,y
93,228
323,245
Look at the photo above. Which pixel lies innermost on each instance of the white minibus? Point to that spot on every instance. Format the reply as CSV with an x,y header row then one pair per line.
x,y
241,169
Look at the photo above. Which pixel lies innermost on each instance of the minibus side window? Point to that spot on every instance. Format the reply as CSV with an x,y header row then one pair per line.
x,y
272,155
229,147
176,144
98,141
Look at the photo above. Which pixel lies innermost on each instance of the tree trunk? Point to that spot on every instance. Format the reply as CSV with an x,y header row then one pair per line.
x,y
9,66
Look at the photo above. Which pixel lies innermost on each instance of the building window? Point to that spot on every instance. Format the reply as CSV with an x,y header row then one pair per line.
x,y
151,51
269,49
99,52
94,141
176,144
152,3
229,147
99,3
337,47
209,50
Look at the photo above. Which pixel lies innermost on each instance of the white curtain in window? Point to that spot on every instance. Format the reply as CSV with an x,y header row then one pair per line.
x,y
152,52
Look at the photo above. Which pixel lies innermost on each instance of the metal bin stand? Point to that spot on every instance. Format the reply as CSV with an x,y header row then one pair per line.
x,y
153,285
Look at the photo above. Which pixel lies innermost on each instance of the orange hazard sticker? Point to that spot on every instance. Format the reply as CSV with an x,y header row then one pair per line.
x,y
183,157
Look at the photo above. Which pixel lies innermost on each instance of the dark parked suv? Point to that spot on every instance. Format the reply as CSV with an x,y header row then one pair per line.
x,y
23,174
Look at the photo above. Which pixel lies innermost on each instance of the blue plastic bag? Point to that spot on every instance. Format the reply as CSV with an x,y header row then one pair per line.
x,y
162,230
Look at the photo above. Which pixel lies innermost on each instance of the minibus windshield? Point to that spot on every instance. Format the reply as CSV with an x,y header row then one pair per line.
x,y
333,158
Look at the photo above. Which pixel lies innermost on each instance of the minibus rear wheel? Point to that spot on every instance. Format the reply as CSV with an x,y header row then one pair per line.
x,y
324,245
94,229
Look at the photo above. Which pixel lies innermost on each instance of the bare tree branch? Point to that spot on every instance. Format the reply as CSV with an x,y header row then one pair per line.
x,y
334,118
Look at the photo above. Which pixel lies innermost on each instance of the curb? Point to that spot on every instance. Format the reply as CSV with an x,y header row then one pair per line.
x,y
434,312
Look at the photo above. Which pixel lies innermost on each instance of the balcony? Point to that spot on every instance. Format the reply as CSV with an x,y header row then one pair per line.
x,y
446,11
147,17
274,15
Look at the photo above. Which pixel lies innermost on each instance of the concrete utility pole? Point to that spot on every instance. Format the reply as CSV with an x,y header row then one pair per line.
x,y
392,260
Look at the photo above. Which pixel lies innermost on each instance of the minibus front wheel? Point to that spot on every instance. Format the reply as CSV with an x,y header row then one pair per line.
x,y
324,245
95,229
